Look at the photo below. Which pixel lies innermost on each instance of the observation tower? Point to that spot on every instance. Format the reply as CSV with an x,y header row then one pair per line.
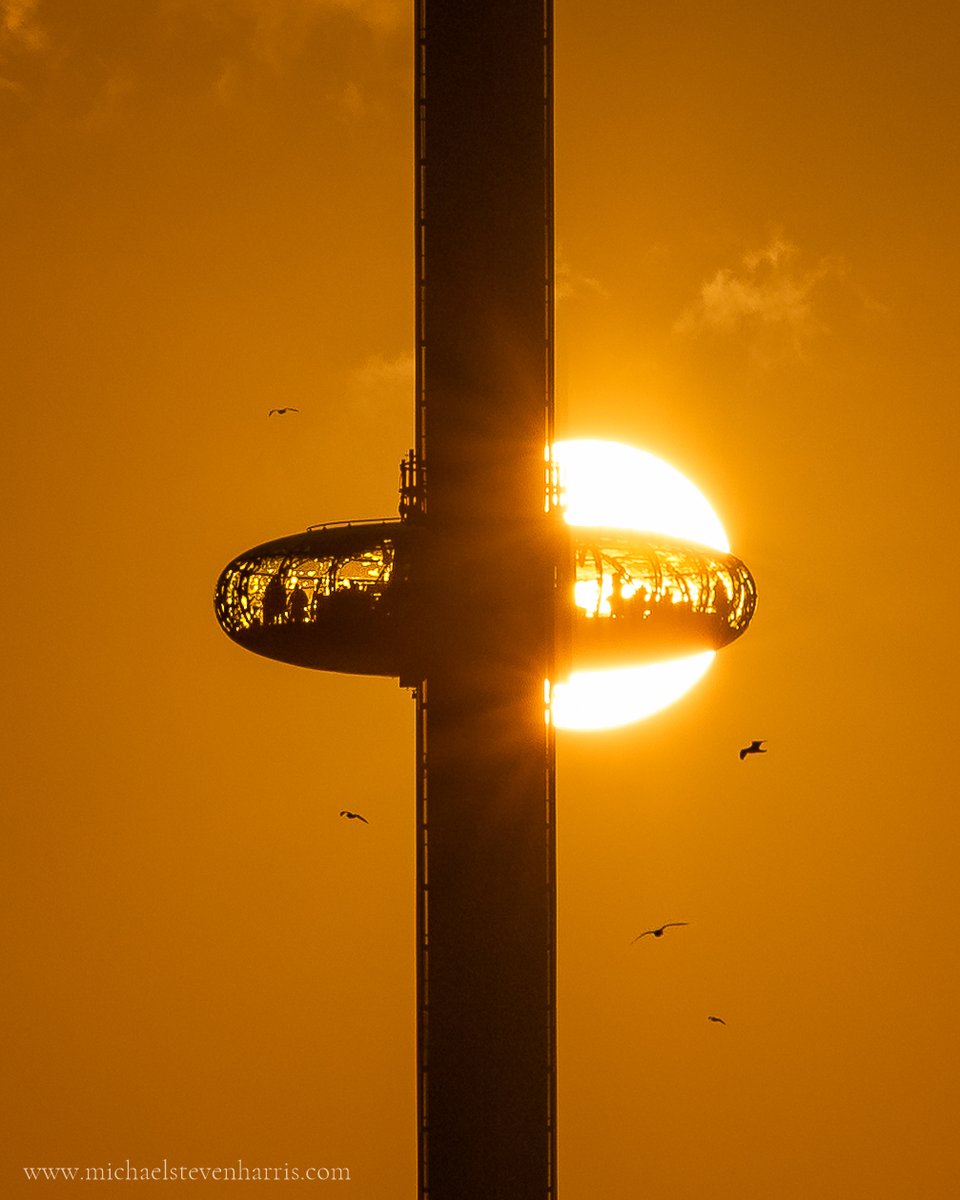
x,y
478,596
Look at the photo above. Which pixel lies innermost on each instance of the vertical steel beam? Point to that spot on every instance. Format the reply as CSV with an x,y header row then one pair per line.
x,y
485,755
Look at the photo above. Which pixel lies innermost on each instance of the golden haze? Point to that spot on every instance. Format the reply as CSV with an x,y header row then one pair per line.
x,y
207,213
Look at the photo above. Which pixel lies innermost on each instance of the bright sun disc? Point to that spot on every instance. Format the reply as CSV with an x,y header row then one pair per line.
x,y
617,486
611,485
606,699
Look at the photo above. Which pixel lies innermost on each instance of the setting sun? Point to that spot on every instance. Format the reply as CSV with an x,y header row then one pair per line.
x,y
611,485
592,700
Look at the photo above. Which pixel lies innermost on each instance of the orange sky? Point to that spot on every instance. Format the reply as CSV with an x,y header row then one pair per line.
x,y
206,212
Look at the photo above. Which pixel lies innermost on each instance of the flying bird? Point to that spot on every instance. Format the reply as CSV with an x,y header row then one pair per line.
x,y
753,748
281,411
353,816
719,1020
658,932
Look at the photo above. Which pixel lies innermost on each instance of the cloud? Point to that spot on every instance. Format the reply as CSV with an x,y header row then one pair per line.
x,y
382,385
275,33
223,47
18,25
227,84
271,35
109,102
350,103
772,300
571,284
379,374
19,34
378,394
383,16
280,31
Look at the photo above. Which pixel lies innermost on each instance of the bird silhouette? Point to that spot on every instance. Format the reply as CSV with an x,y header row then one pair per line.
x,y
658,932
353,816
281,411
753,748
719,1020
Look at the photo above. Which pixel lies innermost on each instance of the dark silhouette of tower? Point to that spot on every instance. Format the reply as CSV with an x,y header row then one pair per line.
x,y
485,761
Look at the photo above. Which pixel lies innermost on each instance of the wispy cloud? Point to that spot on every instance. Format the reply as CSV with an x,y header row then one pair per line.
x,y
379,375
271,35
571,283
19,28
275,33
379,392
381,387
350,103
109,101
280,31
771,300
20,33
383,16
226,47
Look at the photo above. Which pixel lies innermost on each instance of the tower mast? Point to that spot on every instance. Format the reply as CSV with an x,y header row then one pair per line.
x,y
485,754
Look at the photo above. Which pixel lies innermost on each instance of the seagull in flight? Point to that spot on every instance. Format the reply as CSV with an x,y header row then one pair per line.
x,y
353,816
753,748
658,932
719,1020
281,411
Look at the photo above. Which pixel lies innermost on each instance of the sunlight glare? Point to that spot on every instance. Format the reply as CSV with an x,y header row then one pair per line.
x,y
609,484
592,700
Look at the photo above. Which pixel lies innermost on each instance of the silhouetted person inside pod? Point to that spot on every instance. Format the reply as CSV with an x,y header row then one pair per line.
x,y
297,605
274,601
721,601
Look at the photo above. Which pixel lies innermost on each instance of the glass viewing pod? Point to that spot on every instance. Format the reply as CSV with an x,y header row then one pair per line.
x,y
346,598
333,598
